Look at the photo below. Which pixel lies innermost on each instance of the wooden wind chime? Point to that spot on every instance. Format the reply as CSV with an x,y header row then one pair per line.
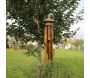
x,y
48,39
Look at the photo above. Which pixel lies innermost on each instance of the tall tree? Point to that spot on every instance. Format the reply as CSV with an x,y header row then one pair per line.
x,y
29,18
78,42
30,14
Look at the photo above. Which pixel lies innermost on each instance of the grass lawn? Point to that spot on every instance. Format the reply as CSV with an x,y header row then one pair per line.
x,y
70,64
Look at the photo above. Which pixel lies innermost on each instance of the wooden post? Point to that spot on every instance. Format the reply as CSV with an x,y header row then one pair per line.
x,y
48,39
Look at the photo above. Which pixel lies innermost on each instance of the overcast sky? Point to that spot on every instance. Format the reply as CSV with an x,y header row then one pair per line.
x,y
80,33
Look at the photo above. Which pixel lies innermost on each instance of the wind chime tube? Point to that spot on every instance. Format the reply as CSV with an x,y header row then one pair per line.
x,y
45,44
49,42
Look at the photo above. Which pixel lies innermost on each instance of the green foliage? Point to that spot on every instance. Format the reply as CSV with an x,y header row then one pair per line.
x,y
68,41
78,42
80,16
50,70
66,64
25,13
31,51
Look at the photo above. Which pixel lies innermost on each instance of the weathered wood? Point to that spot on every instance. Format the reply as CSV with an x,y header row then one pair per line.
x,y
51,44
48,37
48,40
45,44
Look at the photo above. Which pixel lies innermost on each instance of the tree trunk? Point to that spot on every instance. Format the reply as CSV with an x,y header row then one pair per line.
x,y
39,48
39,54
39,59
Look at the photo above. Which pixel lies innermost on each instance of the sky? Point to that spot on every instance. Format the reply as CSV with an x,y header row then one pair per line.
x,y
80,33
81,5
